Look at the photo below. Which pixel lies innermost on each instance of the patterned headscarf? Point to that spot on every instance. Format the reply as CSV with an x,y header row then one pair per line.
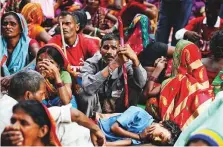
x,y
33,13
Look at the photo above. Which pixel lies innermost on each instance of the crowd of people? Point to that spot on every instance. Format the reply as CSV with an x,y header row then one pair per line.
x,y
111,72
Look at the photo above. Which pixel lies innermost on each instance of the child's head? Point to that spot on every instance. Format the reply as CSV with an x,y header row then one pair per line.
x,y
163,133
205,137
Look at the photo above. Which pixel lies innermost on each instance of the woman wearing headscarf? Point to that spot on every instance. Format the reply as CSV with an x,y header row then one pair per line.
x,y
17,49
207,127
52,64
187,92
37,127
137,25
33,14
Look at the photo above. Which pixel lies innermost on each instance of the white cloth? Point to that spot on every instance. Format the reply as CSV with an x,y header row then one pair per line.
x,y
6,104
180,33
47,7
69,133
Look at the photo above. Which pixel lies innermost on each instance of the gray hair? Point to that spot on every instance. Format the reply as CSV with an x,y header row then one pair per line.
x,y
24,81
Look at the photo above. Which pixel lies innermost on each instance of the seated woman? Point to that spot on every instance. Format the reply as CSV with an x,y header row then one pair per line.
x,y
33,14
154,59
187,92
206,128
137,27
52,64
100,20
17,49
32,125
214,63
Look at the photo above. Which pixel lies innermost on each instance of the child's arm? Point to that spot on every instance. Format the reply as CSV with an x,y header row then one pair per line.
x,y
118,130
120,143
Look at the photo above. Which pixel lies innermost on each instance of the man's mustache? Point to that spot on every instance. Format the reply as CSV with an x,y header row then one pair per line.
x,y
108,56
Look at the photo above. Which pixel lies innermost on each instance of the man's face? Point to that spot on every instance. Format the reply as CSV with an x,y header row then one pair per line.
x,y
69,26
109,50
212,14
93,3
157,133
40,94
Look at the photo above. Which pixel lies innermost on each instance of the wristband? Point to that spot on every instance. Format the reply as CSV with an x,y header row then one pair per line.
x,y
59,85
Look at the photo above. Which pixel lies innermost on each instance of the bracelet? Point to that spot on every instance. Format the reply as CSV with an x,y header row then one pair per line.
x,y
59,85
152,78
114,28
140,138
97,30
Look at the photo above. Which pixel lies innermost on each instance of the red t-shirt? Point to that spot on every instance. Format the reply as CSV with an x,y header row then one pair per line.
x,y
206,32
85,48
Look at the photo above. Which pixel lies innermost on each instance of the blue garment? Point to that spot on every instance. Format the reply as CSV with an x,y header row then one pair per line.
x,y
19,54
57,102
174,14
134,120
221,11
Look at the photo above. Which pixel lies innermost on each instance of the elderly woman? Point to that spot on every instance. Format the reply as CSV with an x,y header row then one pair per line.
x,y
17,49
33,14
33,124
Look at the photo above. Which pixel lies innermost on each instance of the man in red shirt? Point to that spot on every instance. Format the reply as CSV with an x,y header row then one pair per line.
x,y
78,47
200,30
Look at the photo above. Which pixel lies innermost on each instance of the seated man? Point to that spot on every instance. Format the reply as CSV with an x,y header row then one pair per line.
x,y
200,30
136,126
31,85
102,78
78,47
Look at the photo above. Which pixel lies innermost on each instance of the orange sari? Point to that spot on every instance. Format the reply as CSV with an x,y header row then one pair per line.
x,y
187,93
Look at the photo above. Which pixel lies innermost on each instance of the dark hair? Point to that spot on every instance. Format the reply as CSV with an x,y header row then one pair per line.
x,y
196,140
15,16
75,18
216,44
82,17
109,36
98,1
24,81
174,130
36,110
53,53
213,3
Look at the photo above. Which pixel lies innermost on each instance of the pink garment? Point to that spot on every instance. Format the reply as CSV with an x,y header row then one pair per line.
x,y
47,7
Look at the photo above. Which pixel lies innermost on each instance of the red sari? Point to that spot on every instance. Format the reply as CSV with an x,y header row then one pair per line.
x,y
187,93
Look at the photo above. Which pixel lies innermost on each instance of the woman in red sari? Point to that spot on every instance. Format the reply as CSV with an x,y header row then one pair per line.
x,y
137,26
187,93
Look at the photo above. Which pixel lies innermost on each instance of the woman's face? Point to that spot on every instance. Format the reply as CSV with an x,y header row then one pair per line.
x,y
29,129
42,70
10,27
